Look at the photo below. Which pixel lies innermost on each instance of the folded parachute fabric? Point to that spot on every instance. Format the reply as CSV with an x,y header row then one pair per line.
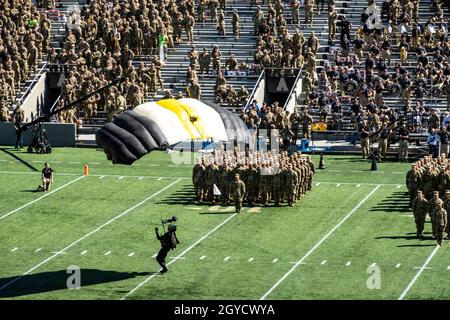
x,y
158,125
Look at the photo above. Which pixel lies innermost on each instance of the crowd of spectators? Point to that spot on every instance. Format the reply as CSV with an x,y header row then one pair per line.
x,y
372,78
24,39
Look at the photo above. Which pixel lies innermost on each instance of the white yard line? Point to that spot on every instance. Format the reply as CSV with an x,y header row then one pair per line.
x,y
180,255
14,249
325,237
84,252
59,252
42,197
405,292
89,234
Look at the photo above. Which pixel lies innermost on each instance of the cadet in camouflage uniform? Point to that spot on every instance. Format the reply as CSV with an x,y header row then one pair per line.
x,y
204,61
440,223
309,7
446,200
197,180
235,23
189,23
420,209
238,192
332,17
221,24
433,207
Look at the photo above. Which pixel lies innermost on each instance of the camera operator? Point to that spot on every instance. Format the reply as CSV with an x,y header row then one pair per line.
x,y
169,242
18,117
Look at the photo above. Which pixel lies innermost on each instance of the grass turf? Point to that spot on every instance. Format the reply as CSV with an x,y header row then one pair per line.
x,y
116,207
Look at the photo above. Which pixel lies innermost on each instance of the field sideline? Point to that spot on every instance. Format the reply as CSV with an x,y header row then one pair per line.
x,y
321,248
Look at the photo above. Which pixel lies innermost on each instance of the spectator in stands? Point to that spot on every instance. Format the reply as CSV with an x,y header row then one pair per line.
x,y
433,143
443,138
403,143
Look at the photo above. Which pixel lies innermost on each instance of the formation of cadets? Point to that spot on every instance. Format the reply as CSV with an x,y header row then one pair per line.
x,y
266,177
428,184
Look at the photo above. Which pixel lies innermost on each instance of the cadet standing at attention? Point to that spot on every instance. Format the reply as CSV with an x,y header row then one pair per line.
x,y
238,192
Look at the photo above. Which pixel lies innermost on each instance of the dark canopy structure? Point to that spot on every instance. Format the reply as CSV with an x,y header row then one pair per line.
x,y
159,125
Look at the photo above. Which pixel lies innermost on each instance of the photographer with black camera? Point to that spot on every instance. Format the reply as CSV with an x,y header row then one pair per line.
x,y
168,241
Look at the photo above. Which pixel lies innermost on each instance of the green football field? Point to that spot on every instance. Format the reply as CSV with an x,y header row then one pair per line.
x,y
351,237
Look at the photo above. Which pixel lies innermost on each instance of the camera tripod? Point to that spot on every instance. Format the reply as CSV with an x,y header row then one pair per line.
x,y
40,142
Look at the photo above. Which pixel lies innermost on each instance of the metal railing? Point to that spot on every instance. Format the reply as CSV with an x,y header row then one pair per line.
x,y
256,87
36,78
293,93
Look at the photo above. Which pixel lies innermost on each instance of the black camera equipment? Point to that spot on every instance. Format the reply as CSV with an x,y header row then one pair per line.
x,y
40,142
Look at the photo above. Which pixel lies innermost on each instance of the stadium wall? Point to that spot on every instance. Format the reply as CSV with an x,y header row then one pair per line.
x,y
35,100
59,134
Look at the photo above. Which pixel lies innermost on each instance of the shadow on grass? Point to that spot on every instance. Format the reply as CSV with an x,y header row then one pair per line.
x,y
217,212
57,280
416,245
412,237
183,196
397,202
8,152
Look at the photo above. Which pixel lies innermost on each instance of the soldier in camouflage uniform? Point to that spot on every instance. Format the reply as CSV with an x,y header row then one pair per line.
x,y
235,23
433,207
440,223
197,180
420,209
238,192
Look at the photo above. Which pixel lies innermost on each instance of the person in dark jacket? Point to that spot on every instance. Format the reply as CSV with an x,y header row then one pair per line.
x,y
443,137
169,242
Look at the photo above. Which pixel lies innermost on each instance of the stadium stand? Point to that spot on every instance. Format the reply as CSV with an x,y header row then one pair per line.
x,y
93,52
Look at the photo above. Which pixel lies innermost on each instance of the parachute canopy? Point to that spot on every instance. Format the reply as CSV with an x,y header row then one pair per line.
x,y
158,125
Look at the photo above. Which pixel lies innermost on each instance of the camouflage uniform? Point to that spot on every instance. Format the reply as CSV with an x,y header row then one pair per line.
x,y
420,210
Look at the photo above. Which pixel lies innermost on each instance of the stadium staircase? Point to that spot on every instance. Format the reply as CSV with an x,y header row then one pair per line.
x,y
206,36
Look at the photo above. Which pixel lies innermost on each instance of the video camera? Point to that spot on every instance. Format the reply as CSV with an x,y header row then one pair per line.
x,y
173,219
